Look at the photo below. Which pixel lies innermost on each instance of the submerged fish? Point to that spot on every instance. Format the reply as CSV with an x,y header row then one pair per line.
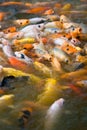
x,y
82,83
42,68
50,94
6,101
53,113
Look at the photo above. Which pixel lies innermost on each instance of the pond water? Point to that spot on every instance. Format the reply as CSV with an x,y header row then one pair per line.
x,y
37,96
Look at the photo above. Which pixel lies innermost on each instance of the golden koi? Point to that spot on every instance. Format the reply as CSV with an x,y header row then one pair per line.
x,y
24,41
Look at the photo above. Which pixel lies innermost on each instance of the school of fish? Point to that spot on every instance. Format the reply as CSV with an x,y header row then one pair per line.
x,y
43,49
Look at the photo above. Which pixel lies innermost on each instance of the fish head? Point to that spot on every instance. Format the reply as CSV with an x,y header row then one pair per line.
x,y
7,97
23,57
18,35
63,18
60,102
40,27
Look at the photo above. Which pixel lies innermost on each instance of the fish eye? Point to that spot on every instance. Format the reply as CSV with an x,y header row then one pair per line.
x,y
26,112
55,31
67,45
73,40
67,61
20,23
73,29
17,36
22,56
69,38
27,21
64,36
80,29
67,49
78,37
9,30
39,26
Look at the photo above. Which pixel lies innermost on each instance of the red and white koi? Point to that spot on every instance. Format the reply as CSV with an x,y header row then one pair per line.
x,y
20,55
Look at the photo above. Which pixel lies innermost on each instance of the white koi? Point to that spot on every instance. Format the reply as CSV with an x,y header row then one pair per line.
x,y
53,113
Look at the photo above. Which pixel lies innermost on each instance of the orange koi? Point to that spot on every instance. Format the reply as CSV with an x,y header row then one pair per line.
x,y
57,5
3,15
49,12
10,30
44,40
76,32
27,46
68,48
15,62
75,89
36,10
22,22
14,3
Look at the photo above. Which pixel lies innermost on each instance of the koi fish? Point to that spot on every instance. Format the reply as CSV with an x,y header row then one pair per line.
x,y
53,17
54,24
28,40
52,30
32,30
23,118
5,83
64,19
53,113
14,35
42,68
82,83
10,30
27,46
6,101
6,47
36,10
75,89
41,52
37,20
17,63
21,22
59,41
56,64
23,57
49,12
76,32
69,48
61,55
3,15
